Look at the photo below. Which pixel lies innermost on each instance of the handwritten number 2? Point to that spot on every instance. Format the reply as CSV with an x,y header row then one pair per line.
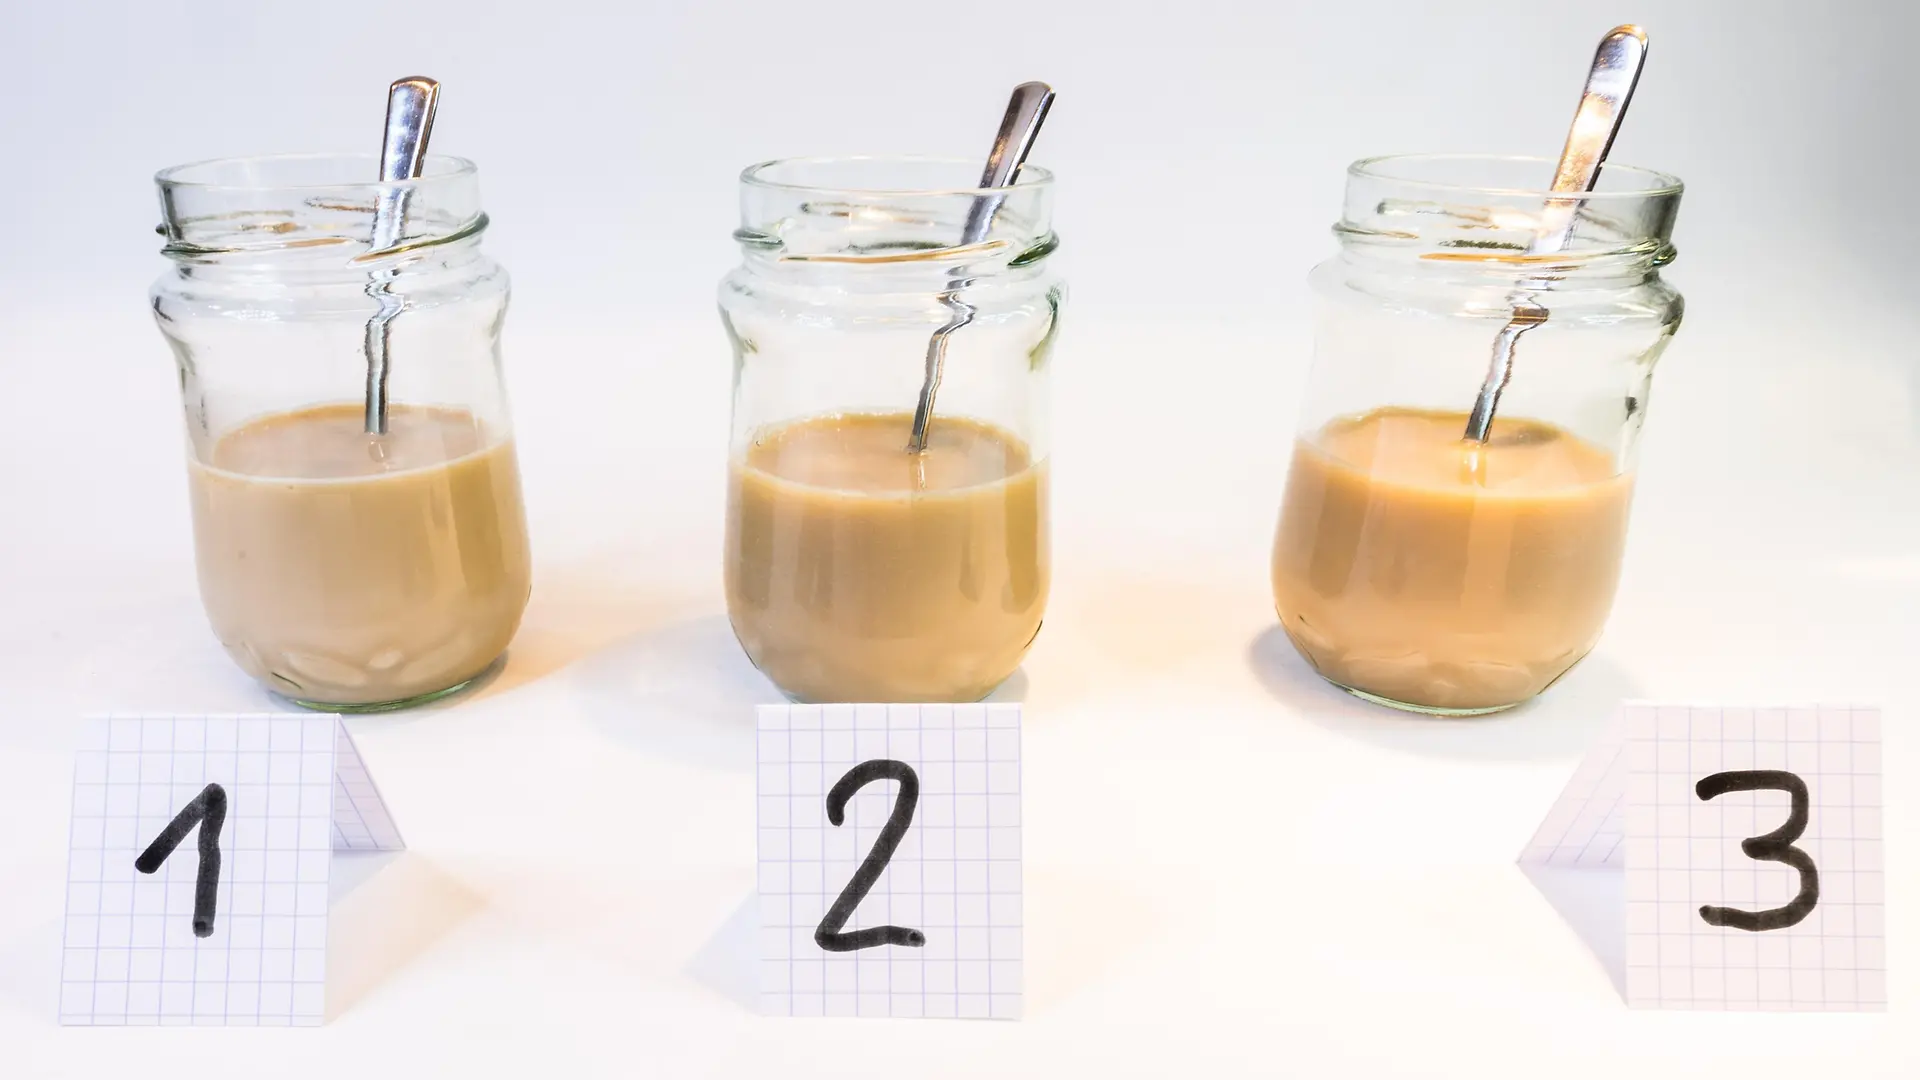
x,y
209,811
1776,846
829,935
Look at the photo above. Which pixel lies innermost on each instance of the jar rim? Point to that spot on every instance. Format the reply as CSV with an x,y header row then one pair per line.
x,y
1650,182
435,169
1029,177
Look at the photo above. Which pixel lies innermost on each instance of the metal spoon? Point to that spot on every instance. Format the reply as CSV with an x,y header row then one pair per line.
x,y
410,105
1026,111
1616,69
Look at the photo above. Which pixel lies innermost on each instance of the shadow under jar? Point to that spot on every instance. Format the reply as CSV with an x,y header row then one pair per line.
x,y
857,570
1411,566
344,570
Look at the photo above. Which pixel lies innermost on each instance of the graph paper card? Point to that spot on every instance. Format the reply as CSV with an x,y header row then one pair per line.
x,y
198,867
889,860
1751,843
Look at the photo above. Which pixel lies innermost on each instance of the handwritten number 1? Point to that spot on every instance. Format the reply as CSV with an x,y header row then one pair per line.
x,y
209,811
1776,846
829,935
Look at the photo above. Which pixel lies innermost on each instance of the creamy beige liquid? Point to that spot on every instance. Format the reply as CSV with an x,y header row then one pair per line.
x,y
347,569
1412,568
859,572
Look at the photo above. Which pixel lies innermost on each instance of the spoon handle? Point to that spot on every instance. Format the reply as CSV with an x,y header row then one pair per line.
x,y
1026,111
1603,105
403,151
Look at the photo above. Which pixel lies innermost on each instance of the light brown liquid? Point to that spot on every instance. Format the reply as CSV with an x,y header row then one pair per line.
x,y
1414,568
347,569
859,572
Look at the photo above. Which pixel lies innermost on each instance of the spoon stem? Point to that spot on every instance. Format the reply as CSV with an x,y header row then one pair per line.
x,y
1603,105
1026,111
403,151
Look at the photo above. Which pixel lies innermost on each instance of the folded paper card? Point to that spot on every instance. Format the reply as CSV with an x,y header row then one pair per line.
x,y
198,867
1751,843
889,840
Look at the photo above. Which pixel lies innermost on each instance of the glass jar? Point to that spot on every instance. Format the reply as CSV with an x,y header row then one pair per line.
x,y
1416,568
857,570
344,570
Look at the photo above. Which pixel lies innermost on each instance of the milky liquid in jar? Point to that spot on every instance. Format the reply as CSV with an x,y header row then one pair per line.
x,y
343,569
1420,569
857,571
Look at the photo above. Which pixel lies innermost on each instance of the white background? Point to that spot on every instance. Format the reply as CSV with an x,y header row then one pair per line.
x,y
1231,870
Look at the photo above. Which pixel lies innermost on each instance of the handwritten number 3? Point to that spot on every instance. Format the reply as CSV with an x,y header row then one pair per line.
x,y
829,935
209,811
1776,846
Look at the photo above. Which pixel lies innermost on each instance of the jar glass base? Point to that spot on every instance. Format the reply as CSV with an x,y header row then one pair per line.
x,y
400,703
1424,710
796,699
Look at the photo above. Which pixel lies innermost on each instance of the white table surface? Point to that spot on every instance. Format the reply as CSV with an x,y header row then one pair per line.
x,y
1231,869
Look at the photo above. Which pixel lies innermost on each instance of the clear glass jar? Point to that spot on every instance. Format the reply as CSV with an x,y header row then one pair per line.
x,y
344,570
1415,568
857,570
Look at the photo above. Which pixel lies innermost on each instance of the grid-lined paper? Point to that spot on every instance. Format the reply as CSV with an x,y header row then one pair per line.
x,y
956,875
1587,825
361,821
1683,852
295,789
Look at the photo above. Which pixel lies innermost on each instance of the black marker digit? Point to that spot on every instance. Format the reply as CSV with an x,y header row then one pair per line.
x,y
1776,846
829,936
209,811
